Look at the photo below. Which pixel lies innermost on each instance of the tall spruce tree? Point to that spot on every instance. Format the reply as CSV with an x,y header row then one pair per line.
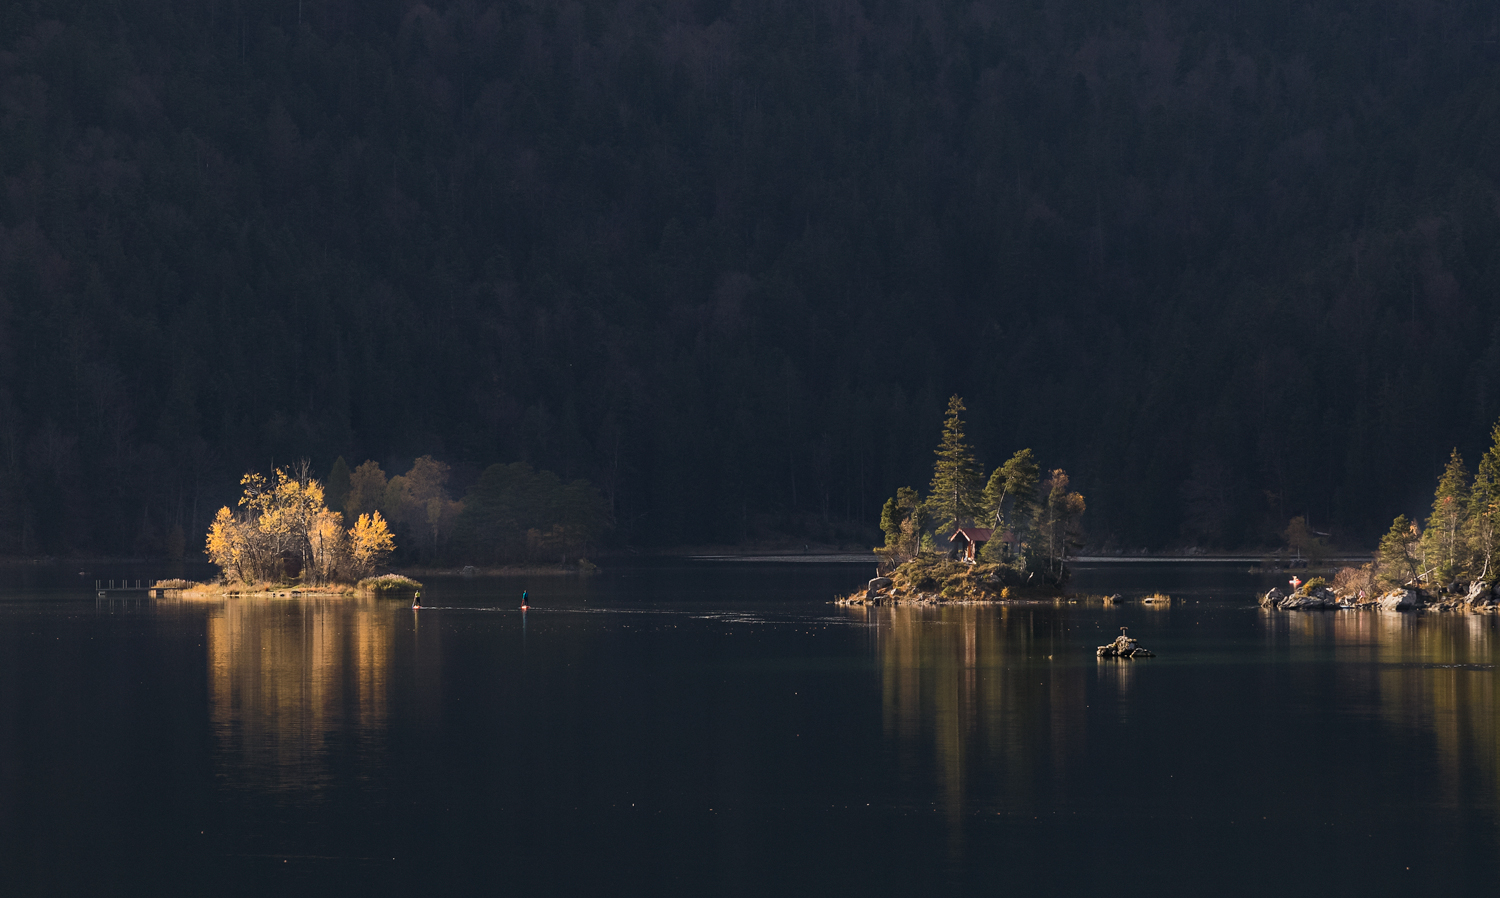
x,y
955,494
1009,503
1443,543
1483,534
1021,476
992,501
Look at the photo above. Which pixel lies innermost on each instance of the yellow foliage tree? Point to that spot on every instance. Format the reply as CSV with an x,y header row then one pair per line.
x,y
286,522
226,545
370,541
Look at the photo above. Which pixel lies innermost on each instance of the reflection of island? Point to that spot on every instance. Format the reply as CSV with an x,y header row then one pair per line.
x,y
287,679
975,685
1427,674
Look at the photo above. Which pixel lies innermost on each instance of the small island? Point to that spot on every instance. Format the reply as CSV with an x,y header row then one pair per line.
x,y
284,541
1006,538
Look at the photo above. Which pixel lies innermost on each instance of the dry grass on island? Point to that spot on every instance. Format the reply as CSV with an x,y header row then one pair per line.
x,y
385,585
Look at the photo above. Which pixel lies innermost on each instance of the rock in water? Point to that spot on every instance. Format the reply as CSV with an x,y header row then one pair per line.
x,y
1279,599
1124,647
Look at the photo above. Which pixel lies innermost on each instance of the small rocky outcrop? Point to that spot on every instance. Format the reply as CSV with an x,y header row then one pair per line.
x,y
1280,600
1124,647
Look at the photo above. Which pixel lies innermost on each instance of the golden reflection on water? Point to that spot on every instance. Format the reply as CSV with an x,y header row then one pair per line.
x,y
964,690
1432,674
288,679
970,694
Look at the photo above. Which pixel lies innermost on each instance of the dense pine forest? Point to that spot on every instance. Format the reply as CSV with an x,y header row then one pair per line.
x,y
1228,263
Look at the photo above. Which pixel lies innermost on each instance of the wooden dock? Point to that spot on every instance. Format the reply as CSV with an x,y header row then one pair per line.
x,y
106,589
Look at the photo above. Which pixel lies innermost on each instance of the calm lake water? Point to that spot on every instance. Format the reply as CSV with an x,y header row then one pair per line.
x,y
721,729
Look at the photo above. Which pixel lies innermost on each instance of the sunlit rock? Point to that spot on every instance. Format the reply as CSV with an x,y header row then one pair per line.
x,y
1281,600
1401,600
1273,598
1124,647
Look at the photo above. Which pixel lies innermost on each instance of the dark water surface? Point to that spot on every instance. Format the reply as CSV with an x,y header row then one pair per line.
x,y
717,728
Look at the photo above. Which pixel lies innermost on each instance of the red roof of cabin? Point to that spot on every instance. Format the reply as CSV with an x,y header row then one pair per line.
x,y
973,534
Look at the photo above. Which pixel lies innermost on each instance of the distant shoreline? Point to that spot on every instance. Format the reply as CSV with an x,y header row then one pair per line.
x,y
513,570
715,553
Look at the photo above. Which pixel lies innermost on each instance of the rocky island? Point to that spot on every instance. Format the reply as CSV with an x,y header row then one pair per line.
x,y
1124,647
974,541
935,579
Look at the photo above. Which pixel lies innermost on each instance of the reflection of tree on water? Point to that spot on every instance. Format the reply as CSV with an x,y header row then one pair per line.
x,y
287,678
974,684
1430,673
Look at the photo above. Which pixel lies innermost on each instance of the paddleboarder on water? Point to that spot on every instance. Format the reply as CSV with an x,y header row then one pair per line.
x,y
524,603
416,601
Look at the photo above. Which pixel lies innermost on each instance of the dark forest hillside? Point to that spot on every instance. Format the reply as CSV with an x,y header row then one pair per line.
x,y
1226,263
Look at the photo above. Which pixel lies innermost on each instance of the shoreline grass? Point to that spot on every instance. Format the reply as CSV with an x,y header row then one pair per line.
x,y
383,585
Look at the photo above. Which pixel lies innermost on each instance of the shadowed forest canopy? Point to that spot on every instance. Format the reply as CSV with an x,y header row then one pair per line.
x,y
1225,262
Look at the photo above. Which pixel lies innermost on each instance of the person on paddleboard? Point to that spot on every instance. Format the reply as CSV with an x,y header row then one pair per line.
x,y
525,603
416,601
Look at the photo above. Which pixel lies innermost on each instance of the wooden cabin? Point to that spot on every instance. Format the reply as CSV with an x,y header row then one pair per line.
x,y
967,541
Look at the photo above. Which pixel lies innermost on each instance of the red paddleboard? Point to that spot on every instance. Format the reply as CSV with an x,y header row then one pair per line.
x,y
525,607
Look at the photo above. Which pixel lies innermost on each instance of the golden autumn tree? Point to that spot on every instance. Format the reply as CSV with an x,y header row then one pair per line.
x,y
370,541
283,530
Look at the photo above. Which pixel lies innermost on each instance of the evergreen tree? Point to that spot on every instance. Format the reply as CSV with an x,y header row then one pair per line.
x,y
1443,543
1021,475
1009,503
955,495
890,522
992,501
1398,553
1483,534
902,518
